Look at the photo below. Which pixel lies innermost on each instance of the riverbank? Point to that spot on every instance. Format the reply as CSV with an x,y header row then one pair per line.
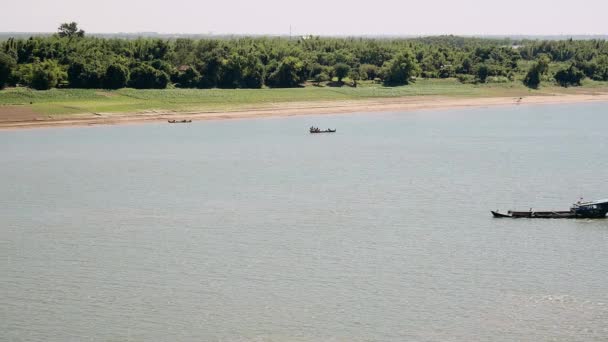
x,y
24,108
20,120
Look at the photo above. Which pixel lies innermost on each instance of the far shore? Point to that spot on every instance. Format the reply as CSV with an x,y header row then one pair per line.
x,y
10,118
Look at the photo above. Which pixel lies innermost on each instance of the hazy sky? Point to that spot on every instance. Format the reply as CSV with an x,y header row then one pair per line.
x,y
323,17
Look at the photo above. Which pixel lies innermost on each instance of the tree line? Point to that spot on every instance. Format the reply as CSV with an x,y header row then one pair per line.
x,y
72,59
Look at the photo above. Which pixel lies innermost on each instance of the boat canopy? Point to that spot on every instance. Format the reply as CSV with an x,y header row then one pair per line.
x,y
602,201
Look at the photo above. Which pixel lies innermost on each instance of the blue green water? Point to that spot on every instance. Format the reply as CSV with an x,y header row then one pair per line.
x,y
256,230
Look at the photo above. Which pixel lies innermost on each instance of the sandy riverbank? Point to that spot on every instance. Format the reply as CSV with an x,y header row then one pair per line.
x,y
14,117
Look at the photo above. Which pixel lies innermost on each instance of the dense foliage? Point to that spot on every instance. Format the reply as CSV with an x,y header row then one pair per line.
x,y
71,59
569,76
537,70
7,64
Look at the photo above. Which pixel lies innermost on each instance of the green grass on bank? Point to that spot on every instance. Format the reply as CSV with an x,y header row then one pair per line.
x,y
76,101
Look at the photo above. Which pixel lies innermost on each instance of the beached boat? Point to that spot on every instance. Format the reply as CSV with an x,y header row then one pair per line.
x,y
179,121
593,209
317,130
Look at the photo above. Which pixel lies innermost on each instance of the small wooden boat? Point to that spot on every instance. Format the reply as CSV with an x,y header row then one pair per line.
x,y
179,121
497,214
593,209
534,214
317,130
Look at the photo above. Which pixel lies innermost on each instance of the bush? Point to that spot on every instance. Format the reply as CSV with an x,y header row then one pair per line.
x,y
532,79
22,74
7,65
600,70
289,73
446,71
253,76
116,76
322,77
146,77
341,70
43,79
465,79
429,74
46,75
482,72
85,75
241,72
190,78
317,69
570,76
400,69
163,66
369,71
497,79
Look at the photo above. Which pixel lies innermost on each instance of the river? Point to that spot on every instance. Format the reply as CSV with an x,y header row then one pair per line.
x,y
241,230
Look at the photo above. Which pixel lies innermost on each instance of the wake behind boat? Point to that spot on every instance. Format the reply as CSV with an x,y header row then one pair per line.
x,y
593,209
317,130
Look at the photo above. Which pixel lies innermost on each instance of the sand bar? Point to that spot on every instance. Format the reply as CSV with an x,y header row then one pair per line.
x,y
16,117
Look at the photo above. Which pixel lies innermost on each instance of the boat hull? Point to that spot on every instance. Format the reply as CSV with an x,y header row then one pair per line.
x,y
548,215
587,210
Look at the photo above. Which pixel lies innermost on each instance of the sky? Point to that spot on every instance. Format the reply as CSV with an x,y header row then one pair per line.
x,y
318,17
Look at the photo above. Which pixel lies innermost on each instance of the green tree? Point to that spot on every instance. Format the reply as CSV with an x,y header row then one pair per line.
x,y
146,77
601,70
46,75
116,76
241,71
163,66
83,74
466,67
341,70
322,77
369,71
571,76
289,73
400,69
317,69
232,70
482,71
253,75
70,30
543,64
190,78
446,70
539,68
532,79
22,75
7,65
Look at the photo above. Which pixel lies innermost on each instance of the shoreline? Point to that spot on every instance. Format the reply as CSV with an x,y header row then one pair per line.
x,y
286,109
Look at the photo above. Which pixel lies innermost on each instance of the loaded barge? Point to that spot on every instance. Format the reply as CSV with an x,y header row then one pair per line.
x,y
593,209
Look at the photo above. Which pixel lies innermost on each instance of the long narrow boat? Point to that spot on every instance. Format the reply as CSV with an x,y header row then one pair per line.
x,y
593,209
320,131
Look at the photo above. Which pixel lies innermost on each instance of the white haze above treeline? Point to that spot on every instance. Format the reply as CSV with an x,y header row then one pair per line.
x,y
317,17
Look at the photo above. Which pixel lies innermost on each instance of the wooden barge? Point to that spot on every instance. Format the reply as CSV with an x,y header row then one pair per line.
x,y
593,209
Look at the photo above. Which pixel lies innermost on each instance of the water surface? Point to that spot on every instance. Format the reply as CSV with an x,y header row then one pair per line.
x,y
256,230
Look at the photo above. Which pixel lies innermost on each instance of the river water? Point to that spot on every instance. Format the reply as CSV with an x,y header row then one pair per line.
x,y
256,230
